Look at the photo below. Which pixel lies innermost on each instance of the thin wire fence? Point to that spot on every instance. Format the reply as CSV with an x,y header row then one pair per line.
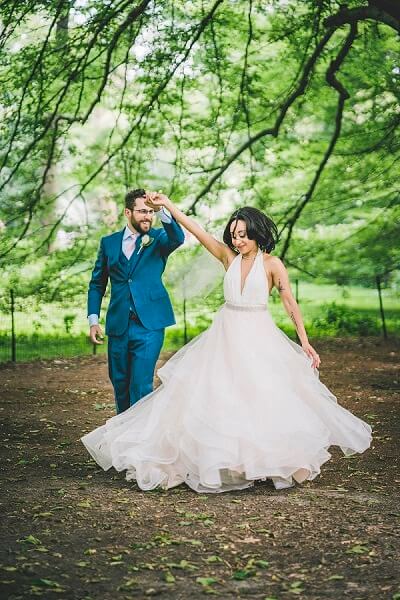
x,y
30,330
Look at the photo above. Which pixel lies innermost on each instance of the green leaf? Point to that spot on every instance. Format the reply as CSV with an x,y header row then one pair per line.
x,y
82,563
263,564
129,583
168,577
85,504
358,549
45,583
213,559
183,564
206,581
208,522
30,539
194,542
296,587
241,574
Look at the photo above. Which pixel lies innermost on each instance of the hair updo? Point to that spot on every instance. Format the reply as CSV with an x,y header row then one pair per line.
x,y
259,228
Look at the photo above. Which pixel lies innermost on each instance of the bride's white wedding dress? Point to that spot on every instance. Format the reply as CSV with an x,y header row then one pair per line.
x,y
239,403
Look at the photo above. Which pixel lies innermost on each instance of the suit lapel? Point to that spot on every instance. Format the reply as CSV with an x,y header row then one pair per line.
x,y
117,246
137,255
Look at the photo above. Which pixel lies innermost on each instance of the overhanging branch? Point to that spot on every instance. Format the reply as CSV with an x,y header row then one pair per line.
x,y
381,11
343,96
270,131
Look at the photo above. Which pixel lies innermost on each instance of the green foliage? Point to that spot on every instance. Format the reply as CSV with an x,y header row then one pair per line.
x,y
100,97
341,320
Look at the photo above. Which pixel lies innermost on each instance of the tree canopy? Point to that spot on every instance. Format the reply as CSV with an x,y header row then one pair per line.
x,y
286,105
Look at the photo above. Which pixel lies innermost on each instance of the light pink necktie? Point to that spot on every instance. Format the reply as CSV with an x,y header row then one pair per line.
x,y
129,246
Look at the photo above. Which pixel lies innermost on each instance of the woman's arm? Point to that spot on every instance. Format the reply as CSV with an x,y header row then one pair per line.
x,y
280,280
216,248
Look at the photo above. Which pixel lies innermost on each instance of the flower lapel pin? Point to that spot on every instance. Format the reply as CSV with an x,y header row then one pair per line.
x,y
145,241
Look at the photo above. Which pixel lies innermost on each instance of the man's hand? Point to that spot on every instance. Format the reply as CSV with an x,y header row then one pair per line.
x,y
156,200
96,334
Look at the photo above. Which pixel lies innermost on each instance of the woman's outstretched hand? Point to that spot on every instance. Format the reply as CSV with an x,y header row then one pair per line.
x,y
311,353
156,200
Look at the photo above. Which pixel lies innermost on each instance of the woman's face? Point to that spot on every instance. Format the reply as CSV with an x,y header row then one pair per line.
x,y
239,238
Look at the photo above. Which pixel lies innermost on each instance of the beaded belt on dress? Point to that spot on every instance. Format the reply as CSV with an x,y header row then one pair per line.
x,y
246,307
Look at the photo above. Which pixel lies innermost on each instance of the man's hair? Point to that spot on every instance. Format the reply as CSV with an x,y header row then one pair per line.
x,y
130,198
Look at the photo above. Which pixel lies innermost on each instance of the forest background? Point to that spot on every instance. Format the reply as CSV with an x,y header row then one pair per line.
x,y
289,106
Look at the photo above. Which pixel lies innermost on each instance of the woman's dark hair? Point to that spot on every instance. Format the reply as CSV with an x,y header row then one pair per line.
x,y
259,227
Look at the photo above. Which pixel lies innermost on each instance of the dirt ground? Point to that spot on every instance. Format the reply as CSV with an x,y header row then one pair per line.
x,y
70,530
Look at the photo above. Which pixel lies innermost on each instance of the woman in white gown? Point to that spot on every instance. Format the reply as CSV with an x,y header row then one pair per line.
x,y
241,402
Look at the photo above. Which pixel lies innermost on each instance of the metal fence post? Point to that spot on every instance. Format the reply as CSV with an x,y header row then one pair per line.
x,y
185,340
13,338
297,300
378,285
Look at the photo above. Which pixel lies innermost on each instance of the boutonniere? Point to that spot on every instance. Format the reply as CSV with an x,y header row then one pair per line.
x,y
145,241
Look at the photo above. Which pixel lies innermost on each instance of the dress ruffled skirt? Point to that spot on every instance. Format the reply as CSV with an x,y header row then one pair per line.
x,y
239,403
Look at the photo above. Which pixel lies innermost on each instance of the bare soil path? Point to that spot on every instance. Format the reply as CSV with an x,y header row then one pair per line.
x,y
69,530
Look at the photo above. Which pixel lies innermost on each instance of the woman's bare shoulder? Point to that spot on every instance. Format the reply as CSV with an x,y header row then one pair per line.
x,y
271,262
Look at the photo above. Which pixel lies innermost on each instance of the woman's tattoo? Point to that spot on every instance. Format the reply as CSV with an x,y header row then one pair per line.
x,y
280,286
294,320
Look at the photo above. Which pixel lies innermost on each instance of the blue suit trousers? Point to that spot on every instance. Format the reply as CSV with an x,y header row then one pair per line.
x,y
132,358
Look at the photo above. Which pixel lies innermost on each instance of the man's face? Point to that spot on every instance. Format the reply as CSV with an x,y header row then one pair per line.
x,y
140,217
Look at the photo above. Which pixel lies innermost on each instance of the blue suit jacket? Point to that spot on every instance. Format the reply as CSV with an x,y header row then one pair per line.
x,y
142,279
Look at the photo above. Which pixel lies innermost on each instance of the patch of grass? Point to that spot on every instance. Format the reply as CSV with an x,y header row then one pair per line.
x,y
31,347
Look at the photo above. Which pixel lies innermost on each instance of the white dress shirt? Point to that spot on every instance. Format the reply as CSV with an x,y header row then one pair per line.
x,y
165,217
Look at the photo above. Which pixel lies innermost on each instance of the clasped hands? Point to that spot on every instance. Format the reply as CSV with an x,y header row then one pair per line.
x,y
156,200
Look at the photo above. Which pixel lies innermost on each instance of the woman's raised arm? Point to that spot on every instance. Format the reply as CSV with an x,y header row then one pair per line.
x,y
218,249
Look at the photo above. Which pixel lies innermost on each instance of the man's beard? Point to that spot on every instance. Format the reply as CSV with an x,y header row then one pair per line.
x,y
139,226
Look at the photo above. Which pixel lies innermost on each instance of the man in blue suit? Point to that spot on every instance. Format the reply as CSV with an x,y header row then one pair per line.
x,y
134,260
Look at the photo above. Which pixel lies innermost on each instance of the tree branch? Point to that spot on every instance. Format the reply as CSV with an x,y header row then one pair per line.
x,y
270,131
343,96
155,95
379,11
